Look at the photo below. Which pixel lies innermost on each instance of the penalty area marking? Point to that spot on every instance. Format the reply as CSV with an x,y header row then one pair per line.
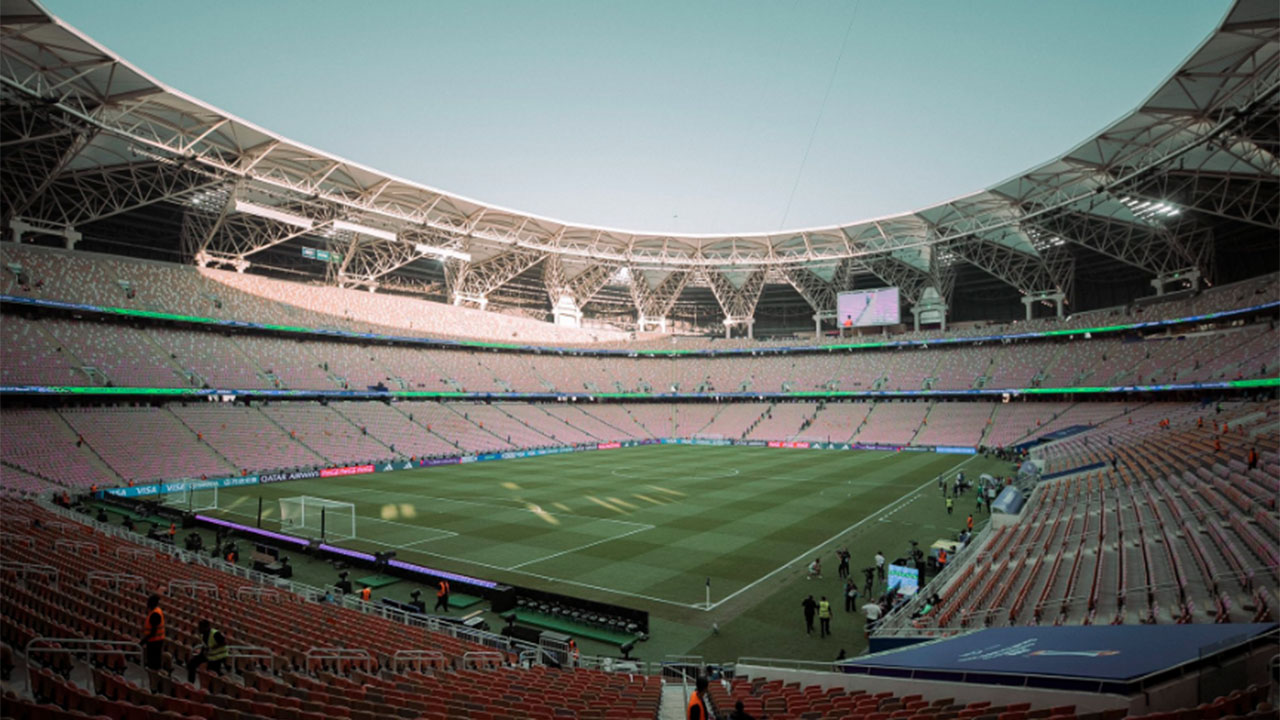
x,y
891,507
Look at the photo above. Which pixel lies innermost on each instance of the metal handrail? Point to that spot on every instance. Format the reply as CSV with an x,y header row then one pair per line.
x,y
321,654
75,646
415,658
479,659
193,587
789,664
257,592
75,546
117,580
22,570
19,538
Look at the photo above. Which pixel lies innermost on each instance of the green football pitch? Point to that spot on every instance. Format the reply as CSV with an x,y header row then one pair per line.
x,y
647,526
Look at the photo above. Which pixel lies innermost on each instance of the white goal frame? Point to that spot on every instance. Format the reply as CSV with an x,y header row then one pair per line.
x,y
318,517
193,497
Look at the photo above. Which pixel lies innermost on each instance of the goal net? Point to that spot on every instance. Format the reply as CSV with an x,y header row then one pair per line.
x,y
193,498
318,517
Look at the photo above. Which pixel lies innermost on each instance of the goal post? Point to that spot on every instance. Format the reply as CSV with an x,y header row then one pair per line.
x,y
193,497
318,517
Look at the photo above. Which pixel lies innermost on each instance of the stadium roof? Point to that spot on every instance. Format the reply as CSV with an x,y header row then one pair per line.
x,y
88,136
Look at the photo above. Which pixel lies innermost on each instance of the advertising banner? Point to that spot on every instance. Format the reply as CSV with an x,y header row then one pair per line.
x,y
282,477
608,446
433,462
348,470
179,485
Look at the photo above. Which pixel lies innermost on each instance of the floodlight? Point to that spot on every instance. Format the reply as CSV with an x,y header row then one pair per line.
x,y
271,213
364,230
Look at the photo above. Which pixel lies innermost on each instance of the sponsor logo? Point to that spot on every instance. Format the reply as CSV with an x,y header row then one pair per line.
x,y
348,470
432,462
296,475
608,446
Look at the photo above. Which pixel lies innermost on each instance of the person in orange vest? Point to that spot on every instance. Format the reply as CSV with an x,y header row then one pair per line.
x,y
93,488
1200,422
1253,458
366,594
970,523
442,596
573,651
1217,444
153,634
697,705
942,557
173,530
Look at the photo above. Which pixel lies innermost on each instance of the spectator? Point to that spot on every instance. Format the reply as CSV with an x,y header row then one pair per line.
x,y
880,564
697,703
442,596
740,712
153,634
213,651
810,609
873,612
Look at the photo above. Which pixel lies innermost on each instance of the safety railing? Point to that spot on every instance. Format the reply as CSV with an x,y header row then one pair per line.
x,y
78,547
192,588
262,656
133,553
255,592
23,571
78,646
482,660
789,664
8,538
115,581
419,660
340,658
308,592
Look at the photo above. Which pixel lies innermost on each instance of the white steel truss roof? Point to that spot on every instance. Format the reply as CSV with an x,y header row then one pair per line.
x,y
136,141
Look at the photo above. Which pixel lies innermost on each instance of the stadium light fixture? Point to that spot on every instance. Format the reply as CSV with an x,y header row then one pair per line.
x,y
364,230
271,213
442,252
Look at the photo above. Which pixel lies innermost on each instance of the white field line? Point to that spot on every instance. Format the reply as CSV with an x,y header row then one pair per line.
x,y
419,528
548,578
891,507
642,526
582,547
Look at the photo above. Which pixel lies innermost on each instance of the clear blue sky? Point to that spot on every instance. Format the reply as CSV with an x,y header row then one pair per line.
x,y
666,115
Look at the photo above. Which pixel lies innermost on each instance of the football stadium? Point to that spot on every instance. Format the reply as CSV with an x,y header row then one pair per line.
x,y
283,435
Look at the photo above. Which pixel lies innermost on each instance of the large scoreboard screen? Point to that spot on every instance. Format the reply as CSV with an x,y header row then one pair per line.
x,y
868,308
